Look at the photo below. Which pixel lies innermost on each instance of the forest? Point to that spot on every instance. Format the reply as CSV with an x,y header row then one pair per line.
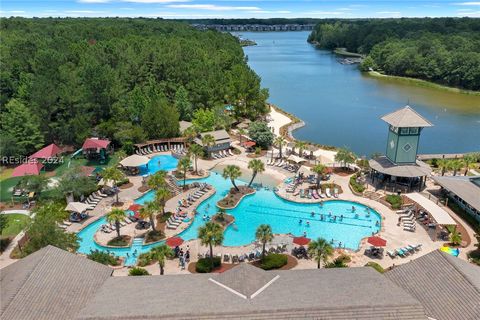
x,y
63,80
441,50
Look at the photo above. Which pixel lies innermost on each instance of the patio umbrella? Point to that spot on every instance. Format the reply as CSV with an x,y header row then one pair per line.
x,y
26,169
134,207
377,241
301,241
134,160
174,242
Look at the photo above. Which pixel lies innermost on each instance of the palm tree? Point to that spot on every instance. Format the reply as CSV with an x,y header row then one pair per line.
x,y
157,180
190,134
208,141
148,211
183,166
345,156
256,166
116,216
161,197
469,161
113,174
319,169
264,234
211,234
455,165
196,152
232,172
161,253
279,142
300,145
455,235
241,132
443,165
320,250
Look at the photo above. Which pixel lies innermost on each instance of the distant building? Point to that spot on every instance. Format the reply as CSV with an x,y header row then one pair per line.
x,y
221,138
399,169
465,191
256,27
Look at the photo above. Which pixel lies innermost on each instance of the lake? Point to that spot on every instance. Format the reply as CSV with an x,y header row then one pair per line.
x,y
341,106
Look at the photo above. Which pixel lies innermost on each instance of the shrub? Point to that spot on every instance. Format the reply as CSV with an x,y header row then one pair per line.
x,y
375,266
4,242
138,272
121,241
103,257
153,236
395,201
340,262
474,256
357,187
145,259
161,218
273,261
205,265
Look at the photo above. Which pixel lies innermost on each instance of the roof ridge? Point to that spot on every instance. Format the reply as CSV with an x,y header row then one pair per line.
x,y
467,278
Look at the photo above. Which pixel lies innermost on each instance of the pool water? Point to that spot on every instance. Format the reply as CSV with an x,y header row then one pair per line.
x,y
159,162
263,207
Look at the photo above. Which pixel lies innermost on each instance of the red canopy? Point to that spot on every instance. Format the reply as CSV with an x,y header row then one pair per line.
x,y
94,143
249,144
29,168
49,151
301,241
134,207
174,242
86,170
377,241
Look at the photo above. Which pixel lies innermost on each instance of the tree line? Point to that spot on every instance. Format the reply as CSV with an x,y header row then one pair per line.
x,y
441,50
128,80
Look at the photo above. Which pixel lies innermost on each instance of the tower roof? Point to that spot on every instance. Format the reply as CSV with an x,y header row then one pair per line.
x,y
405,118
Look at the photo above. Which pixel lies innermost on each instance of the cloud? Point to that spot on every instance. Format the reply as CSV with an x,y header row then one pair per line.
x,y
467,3
469,14
212,7
84,11
268,11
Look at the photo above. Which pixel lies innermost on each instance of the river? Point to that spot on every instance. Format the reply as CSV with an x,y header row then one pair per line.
x,y
342,107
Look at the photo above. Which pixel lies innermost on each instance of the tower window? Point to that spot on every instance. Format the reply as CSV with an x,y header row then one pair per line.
x,y
407,147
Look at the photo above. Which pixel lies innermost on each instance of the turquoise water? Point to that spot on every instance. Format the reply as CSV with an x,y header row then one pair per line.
x,y
159,162
263,207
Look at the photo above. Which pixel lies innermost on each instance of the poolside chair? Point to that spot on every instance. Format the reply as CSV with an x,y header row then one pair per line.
x,y
231,152
335,192
411,229
226,257
137,152
400,252
327,191
391,254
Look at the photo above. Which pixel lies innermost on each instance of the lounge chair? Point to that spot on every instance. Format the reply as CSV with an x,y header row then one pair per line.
x,y
231,152
391,253
411,229
400,252
335,192
327,191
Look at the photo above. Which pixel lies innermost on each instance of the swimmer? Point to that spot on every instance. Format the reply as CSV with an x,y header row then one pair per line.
x,y
377,224
204,217
330,213
356,216
341,217
334,218
312,214
304,233
321,216
353,209
300,221
321,204
340,244
308,223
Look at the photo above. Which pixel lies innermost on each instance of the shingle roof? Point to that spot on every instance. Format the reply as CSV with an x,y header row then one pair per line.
x,y
219,135
448,287
384,165
405,118
49,284
464,187
350,293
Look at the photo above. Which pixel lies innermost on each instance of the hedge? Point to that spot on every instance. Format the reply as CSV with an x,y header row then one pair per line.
x,y
205,265
138,272
357,187
273,261
103,257
375,266
394,200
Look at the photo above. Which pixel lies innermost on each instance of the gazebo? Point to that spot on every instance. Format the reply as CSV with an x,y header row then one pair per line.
x,y
47,152
399,169
95,148
28,169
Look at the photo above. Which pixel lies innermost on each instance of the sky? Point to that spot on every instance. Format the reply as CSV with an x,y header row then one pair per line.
x,y
181,9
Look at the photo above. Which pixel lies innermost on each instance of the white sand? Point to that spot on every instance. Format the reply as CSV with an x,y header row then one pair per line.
x,y
278,121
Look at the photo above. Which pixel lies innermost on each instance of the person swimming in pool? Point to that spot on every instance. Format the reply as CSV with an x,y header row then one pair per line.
x,y
356,215
204,217
330,213
320,204
308,223
321,216
353,209
341,217
377,224
304,233
300,221
334,218
312,214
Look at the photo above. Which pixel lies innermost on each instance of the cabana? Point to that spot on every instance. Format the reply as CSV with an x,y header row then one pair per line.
x,y
95,148
48,152
135,161
31,168
295,158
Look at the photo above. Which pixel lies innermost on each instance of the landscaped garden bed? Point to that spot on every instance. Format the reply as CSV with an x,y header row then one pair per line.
x,y
223,219
234,197
122,241
104,258
154,236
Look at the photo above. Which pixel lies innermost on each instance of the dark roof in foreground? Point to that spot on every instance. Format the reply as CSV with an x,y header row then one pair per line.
x,y
448,288
349,293
467,188
49,284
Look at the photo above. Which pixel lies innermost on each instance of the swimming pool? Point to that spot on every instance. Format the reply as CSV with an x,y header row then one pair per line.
x,y
159,162
263,207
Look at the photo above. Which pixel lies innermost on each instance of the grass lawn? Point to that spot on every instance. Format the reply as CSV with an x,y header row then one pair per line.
x,y
5,173
83,162
15,224
6,188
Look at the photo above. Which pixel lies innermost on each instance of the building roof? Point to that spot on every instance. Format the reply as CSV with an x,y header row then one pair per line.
x,y
27,169
184,125
95,143
466,188
448,288
439,215
406,117
135,160
384,165
47,152
360,293
49,284
220,136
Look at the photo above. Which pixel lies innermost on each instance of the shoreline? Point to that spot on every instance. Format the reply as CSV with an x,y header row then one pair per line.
x,y
422,83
